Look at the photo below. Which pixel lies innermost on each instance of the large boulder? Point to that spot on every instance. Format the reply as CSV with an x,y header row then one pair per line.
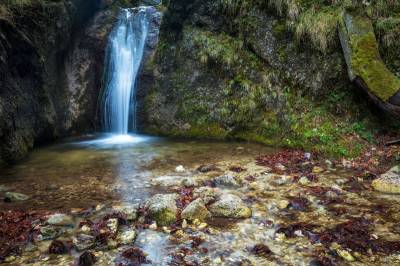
x,y
389,182
230,206
162,208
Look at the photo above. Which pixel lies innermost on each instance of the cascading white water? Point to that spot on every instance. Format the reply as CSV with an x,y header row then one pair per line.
x,y
124,56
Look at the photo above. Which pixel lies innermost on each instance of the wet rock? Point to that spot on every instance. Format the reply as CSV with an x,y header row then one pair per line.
x,y
207,194
195,210
167,181
162,208
261,250
112,225
59,247
126,237
60,219
83,242
190,182
15,197
230,206
226,180
207,168
317,169
136,256
180,169
86,259
283,204
345,255
304,181
389,182
49,232
130,211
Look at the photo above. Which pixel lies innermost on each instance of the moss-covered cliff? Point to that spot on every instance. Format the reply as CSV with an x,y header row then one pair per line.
x,y
241,69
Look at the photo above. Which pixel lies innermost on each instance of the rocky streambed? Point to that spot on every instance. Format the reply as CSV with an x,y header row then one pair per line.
x,y
174,202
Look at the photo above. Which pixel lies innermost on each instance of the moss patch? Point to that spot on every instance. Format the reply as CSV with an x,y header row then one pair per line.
x,y
365,59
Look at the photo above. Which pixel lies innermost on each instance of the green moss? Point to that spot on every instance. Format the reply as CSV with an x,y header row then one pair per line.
x,y
366,62
164,217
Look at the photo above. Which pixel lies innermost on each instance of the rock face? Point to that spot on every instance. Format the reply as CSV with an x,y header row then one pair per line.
x,y
35,39
365,66
388,182
230,206
247,78
52,57
162,208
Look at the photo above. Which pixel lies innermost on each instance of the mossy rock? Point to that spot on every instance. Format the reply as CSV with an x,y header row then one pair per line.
x,y
162,209
363,59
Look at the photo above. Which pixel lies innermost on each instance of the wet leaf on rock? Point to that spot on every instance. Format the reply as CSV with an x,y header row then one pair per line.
x,y
135,256
86,259
59,247
261,250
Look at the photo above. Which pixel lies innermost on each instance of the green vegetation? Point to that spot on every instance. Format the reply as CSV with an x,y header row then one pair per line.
x,y
365,59
316,21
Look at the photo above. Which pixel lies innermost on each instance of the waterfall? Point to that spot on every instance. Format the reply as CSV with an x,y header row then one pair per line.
x,y
124,55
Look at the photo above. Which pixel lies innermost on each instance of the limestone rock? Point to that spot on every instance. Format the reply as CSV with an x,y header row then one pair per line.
x,y
60,219
14,197
207,194
226,180
230,206
83,242
130,211
196,210
389,182
126,237
162,208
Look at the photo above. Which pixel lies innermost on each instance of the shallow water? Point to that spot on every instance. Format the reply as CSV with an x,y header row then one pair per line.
x,y
81,173
99,170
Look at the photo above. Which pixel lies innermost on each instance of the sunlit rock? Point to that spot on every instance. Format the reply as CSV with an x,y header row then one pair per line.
x,y
162,208
60,219
230,206
195,210
389,182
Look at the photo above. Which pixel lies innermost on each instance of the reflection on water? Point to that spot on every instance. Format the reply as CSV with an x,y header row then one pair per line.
x,y
108,169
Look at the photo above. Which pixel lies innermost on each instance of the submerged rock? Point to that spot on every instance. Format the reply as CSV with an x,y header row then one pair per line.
x,y
207,194
49,232
83,242
162,208
87,259
195,210
130,211
14,197
167,181
126,237
389,182
226,180
230,206
60,219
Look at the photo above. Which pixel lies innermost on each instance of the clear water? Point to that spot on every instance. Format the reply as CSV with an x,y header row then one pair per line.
x,y
124,56
101,170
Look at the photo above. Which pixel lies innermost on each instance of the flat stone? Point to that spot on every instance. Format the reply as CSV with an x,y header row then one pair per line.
x,y
196,210
15,197
389,182
130,211
230,206
60,219
226,180
167,181
126,237
83,242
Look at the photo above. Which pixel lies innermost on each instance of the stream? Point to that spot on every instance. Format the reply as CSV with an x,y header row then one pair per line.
x,y
90,178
